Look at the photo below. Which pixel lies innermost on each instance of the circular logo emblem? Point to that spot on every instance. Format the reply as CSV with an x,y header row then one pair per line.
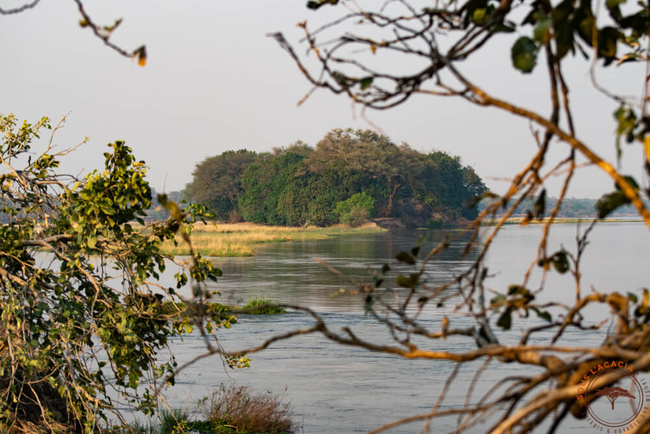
x,y
619,405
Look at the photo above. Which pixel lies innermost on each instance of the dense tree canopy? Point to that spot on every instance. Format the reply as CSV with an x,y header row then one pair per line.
x,y
300,185
217,183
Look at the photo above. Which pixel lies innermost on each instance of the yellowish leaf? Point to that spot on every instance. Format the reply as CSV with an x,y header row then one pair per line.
x,y
373,48
141,55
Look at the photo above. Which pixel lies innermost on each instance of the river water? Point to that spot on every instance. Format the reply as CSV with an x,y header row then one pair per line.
x,y
333,388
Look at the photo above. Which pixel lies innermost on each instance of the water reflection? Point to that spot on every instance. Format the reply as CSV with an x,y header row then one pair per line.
x,y
290,273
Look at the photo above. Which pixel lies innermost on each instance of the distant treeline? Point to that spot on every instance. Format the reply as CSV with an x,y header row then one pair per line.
x,y
571,208
349,177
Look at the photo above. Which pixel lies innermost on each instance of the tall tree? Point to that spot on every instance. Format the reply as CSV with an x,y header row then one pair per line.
x,y
263,183
216,183
371,154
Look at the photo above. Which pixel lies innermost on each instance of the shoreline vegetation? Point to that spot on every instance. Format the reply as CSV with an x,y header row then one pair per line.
x,y
243,239
229,409
558,220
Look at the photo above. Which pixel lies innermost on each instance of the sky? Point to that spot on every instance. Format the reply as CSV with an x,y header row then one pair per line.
x,y
214,81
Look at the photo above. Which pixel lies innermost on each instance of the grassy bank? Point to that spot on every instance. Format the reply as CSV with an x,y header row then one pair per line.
x,y
242,239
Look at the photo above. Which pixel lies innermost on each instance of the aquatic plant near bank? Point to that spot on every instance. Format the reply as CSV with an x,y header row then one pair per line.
x,y
230,409
260,305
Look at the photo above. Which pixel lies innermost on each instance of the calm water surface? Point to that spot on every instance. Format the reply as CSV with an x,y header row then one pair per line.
x,y
342,389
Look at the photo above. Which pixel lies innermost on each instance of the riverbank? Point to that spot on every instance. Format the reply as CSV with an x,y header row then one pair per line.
x,y
557,220
242,239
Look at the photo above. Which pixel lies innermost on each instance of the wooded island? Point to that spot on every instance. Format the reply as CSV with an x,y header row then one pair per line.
x,y
349,177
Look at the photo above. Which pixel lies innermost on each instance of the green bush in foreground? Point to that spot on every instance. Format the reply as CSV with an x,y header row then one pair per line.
x,y
81,327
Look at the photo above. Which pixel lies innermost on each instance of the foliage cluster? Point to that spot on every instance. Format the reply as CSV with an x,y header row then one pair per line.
x,y
260,305
303,186
247,412
216,183
82,324
356,210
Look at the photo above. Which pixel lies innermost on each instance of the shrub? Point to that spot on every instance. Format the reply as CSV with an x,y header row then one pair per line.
x,y
355,210
355,217
238,408
77,335
260,305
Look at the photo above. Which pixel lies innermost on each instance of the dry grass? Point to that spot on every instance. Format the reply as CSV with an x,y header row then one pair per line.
x,y
241,239
250,413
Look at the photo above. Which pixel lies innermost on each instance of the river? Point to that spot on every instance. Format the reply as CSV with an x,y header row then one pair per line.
x,y
333,388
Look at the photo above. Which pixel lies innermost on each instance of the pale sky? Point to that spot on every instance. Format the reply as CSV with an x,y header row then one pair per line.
x,y
214,82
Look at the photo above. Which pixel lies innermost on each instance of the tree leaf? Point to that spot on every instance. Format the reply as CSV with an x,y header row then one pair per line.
x,y
408,282
610,202
542,33
631,181
505,320
518,290
524,54
366,82
405,257
545,315
317,4
607,43
540,205
560,262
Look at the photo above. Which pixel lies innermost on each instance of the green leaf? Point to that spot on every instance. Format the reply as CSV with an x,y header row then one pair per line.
x,y
633,298
542,32
626,121
517,290
545,315
540,205
501,28
317,4
405,257
408,282
498,300
560,262
613,3
366,82
631,181
607,43
610,202
478,17
505,320
524,54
